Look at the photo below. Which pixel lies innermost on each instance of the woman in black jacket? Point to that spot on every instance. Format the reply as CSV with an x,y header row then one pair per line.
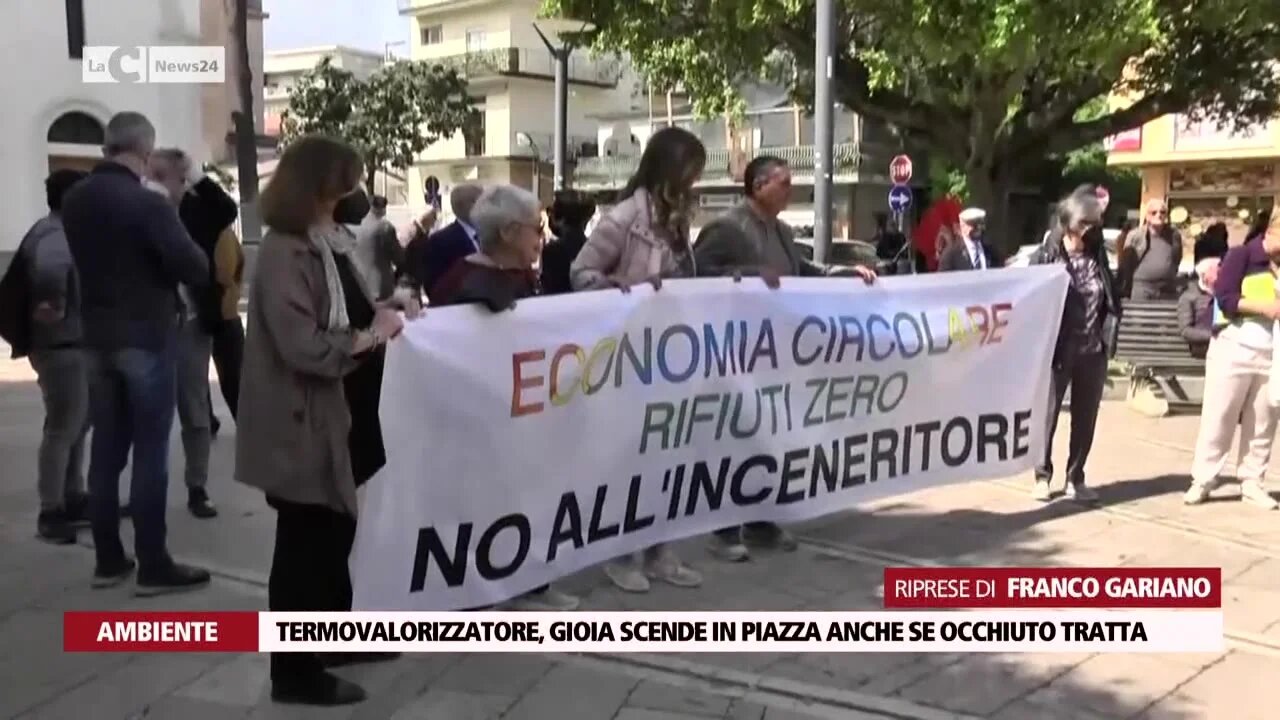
x,y
569,216
1086,337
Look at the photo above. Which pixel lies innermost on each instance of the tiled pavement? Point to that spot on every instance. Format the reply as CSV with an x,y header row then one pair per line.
x,y
1138,466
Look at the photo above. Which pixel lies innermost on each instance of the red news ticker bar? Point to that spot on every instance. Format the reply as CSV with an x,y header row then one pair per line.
x,y
160,632
1168,588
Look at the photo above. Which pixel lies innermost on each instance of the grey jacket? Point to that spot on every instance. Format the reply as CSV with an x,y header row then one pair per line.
x,y
734,242
54,281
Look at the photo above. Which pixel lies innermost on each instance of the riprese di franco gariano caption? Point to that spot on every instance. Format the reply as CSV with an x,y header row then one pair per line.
x,y
1159,610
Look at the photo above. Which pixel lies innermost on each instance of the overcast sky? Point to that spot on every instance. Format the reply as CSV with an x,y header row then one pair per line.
x,y
367,24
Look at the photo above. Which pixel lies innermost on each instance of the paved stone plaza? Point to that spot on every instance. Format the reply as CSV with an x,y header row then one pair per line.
x,y
1139,467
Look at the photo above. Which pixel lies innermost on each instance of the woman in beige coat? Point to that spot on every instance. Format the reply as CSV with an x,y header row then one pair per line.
x,y
642,239
312,322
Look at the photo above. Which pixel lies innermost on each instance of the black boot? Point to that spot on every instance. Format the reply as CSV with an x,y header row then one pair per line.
x,y
170,578
199,505
76,506
52,526
324,690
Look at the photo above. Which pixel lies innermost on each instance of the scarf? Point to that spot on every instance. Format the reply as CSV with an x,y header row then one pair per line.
x,y
333,240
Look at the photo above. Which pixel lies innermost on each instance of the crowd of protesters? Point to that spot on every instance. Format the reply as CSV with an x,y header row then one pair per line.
x,y
130,287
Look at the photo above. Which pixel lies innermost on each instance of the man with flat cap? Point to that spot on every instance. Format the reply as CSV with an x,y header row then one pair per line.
x,y
973,253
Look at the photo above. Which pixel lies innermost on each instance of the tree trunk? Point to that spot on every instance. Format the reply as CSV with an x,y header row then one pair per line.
x,y
371,174
989,189
246,132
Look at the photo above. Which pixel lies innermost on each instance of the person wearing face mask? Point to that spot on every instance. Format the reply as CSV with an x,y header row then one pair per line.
x,y
363,386
314,332
971,251
1086,337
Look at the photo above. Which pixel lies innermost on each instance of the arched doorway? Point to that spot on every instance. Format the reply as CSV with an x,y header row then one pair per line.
x,y
75,141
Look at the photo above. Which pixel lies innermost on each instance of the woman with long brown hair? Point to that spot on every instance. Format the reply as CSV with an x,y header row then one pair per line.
x,y
643,239
311,358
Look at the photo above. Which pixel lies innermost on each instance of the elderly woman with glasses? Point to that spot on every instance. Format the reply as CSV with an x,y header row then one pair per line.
x,y
1086,337
509,227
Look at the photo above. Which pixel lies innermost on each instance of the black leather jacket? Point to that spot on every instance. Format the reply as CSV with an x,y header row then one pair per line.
x,y
1051,252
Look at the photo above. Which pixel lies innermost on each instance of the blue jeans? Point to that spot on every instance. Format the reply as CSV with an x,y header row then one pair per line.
x,y
132,396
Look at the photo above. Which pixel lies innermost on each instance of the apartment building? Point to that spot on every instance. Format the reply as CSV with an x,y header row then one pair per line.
x,y
511,75
1206,172
283,68
56,120
770,126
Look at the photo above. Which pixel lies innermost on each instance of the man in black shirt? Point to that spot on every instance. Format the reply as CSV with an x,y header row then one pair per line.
x,y
131,253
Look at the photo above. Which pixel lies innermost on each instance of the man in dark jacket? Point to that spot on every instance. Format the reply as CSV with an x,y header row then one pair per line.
x,y
974,251
440,250
751,240
205,210
58,359
132,253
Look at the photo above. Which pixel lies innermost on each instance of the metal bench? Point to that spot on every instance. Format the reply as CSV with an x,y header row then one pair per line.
x,y
1160,361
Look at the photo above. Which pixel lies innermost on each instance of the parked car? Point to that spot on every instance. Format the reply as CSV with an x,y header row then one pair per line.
x,y
841,253
1022,258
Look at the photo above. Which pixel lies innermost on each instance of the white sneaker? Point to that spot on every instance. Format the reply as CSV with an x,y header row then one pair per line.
x,y
1252,492
1081,493
728,550
549,600
1196,494
674,573
627,576
1040,491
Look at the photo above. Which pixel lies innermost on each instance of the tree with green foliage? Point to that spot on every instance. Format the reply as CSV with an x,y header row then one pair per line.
x,y
391,117
989,87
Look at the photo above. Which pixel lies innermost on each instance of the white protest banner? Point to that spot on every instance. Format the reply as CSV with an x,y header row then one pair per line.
x,y
530,444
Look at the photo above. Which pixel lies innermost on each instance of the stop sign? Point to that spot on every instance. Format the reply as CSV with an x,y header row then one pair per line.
x,y
1104,196
900,170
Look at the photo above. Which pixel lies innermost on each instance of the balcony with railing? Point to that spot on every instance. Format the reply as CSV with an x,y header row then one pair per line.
x,y
608,172
525,62
404,7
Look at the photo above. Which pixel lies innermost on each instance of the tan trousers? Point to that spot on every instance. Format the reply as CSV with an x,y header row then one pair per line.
x,y
1235,393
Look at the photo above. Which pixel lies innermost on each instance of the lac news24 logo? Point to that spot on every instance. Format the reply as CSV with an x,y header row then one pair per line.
x,y
154,64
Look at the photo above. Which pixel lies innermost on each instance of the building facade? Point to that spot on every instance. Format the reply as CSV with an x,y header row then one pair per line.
x,y
1207,173
770,126
55,120
283,68
511,75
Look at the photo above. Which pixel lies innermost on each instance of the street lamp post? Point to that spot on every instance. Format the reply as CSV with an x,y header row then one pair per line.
x,y
524,139
824,129
386,49
561,137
